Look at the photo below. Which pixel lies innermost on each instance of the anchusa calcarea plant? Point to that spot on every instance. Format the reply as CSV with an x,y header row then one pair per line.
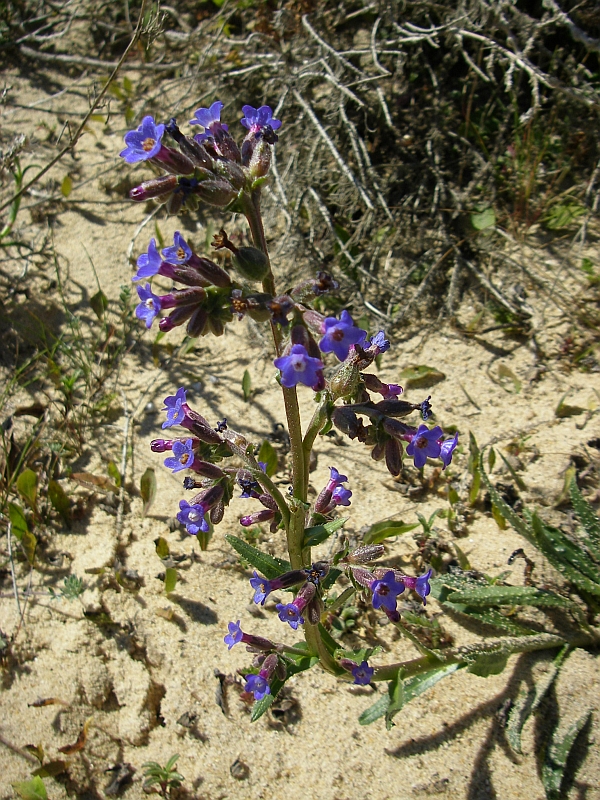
x,y
210,166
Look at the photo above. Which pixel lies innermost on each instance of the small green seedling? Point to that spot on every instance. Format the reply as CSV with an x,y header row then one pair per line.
x,y
166,777
71,589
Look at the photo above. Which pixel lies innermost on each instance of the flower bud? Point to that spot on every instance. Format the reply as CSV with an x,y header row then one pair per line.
x,y
260,160
251,263
154,188
210,271
345,380
393,457
209,497
177,317
396,408
264,515
161,445
197,323
174,161
217,192
231,172
364,554
217,513
346,421
314,610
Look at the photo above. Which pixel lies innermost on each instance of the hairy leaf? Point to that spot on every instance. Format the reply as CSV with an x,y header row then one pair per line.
x,y
510,595
148,489
17,520
268,455
319,533
267,565
27,486
60,501
383,530
557,754
170,579
488,664
587,518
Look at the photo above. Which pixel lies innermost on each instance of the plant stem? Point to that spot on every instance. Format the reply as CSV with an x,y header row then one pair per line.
x,y
457,655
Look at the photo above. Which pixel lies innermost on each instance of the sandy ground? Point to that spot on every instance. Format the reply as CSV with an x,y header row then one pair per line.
x,y
146,681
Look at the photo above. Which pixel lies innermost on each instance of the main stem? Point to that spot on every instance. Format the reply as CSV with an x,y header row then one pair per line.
x,y
299,556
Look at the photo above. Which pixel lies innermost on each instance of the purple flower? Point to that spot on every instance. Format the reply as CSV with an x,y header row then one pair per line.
x,y
148,263
362,674
335,479
379,344
150,305
419,585
257,119
290,613
299,367
340,335
386,590
234,636
175,406
258,685
183,456
447,447
262,588
144,143
391,391
210,119
179,253
426,408
192,516
425,445
341,496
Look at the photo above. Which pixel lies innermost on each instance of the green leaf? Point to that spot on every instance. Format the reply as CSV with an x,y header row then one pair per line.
x,y
557,754
413,687
266,565
374,712
561,215
383,530
567,557
504,373
114,473
66,186
517,479
60,500
246,386
29,543
27,486
99,303
511,596
396,695
587,518
420,376
170,579
50,769
488,664
31,790
17,520
498,518
483,219
564,410
268,455
320,533
162,547
148,489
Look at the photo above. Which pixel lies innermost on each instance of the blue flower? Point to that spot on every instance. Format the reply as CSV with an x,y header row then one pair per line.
x,y
179,253
257,119
150,305
258,686
447,447
419,585
341,496
262,588
174,406
290,613
183,456
299,367
143,143
340,335
192,516
425,445
210,119
148,263
234,636
386,590
362,674
379,343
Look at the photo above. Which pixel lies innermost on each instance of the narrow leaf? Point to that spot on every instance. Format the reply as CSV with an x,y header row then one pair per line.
x,y
31,790
60,500
320,533
27,486
170,579
29,543
396,695
99,303
267,565
162,547
148,489
374,712
114,473
383,530
17,520
268,455
420,376
66,186
511,596
488,664
587,517
413,687
564,410
246,385
557,754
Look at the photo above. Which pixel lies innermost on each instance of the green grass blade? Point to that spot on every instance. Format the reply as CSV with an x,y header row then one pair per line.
x,y
587,517
557,754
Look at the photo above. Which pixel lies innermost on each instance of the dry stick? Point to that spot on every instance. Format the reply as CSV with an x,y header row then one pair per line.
x,y
325,214
343,166
487,284
94,106
119,524
348,64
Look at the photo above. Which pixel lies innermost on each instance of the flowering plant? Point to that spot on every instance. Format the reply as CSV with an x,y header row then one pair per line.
x,y
212,167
